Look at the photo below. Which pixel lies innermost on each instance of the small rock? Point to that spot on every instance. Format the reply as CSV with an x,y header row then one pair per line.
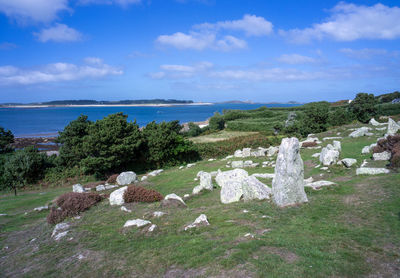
x,y
39,209
136,222
152,228
117,196
318,184
365,150
181,167
173,200
78,188
158,214
200,221
110,186
348,162
382,156
126,178
245,211
100,187
237,164
156,172
125,209
316,155
143,178
190,165
362,131
60,231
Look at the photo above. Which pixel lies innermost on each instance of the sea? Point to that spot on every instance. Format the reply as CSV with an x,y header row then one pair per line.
x,y
48,121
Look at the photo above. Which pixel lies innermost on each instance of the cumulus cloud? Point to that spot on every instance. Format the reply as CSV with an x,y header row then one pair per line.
x,y
208,35
181,71
251,25
58,33
368,53
56,72
349,22
25,11
296,59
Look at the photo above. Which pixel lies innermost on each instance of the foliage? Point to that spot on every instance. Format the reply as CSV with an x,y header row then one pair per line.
x,y
363,107
340,116
72,139
228,147
136,193
71,204
217,122
112,144
6,138
164,145
388,109
385,98
24,167
194,130
392,145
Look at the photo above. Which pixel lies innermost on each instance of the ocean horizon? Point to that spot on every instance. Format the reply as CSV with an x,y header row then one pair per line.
x,y
48,121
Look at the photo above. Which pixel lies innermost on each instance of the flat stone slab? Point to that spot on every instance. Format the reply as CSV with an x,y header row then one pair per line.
x,y
136,222
371,171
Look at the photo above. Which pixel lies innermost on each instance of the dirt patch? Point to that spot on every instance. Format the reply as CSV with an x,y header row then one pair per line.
x,y
283,253
352,200
309,164
175,272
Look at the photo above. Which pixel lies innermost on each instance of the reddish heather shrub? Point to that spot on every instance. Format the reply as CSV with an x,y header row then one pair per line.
x,y
395,160
140,194
392,145
112,179
93,184
71,204
309,144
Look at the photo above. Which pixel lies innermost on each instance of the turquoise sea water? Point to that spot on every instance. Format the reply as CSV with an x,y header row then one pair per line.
x,y
48,121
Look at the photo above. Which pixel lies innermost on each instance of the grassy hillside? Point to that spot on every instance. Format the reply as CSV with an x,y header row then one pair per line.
x,y
348,230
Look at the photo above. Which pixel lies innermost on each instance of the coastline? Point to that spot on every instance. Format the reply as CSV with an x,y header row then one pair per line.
x,y
111,105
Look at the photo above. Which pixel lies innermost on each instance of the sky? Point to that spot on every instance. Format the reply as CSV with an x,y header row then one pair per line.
x,y
200,50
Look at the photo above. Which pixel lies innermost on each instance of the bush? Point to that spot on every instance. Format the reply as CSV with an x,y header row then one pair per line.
x,y
140,194
194,130
309,144
392,145
217,122
6,138
71,204
363,107
24,167
340,116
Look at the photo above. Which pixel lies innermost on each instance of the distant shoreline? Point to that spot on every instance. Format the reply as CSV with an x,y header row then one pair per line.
x,y
110,105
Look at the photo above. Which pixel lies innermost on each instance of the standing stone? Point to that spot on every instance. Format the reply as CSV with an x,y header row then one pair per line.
x,y
288,183
78,188
126,178
206,181
393,127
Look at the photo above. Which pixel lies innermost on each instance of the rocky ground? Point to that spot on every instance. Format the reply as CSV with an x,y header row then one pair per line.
x,y
350,226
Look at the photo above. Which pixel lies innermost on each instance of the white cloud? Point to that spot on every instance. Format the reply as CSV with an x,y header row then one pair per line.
x,y
58,33
122,3
25,11
295,59
208,35
251,25
181,71
350,22
201,41
7,46
56,72
368,53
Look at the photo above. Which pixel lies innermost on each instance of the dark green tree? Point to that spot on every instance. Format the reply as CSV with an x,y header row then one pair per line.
x,y
24,167
112,144
217,122
6,138
363,107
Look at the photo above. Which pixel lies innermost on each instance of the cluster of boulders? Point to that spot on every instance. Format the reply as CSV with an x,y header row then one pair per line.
x,y
260,152
330,154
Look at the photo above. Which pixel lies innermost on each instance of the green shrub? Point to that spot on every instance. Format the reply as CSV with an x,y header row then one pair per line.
x,y
217,122
24,167
340,116
194,130
6,138
363,107
388,109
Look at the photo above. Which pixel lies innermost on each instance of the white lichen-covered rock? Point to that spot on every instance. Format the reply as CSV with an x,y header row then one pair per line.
x,y
328,155
337,145
316,155
173,200
393,127
237,164
272,151
136,222
117,196
348,162
375,122
143,178
205,182
238,153
332,138
200,221
42,208
190,165
100,187
224,178
152,228
318,184
264,176
158,214
110,186
253,189
246,152
248,163
156,172
382,156
126,178
78,188
362,131
288,183
371,171
365,150
59,231
125,209
231,192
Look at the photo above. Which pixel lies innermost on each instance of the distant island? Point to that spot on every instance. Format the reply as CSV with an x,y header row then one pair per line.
x,y
75,103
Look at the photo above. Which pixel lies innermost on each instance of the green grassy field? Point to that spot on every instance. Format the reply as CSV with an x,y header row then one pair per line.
x,y
348,230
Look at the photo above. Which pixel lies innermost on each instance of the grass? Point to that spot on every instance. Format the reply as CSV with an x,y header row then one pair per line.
x,y
348,230
220,136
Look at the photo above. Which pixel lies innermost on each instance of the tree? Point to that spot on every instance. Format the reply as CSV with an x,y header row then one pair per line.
x,y
6,138
164,144
24,167
363,107
217,122
72,138
194,130
112,144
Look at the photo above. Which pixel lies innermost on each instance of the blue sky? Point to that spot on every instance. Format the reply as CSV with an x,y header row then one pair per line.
x,y
203,50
